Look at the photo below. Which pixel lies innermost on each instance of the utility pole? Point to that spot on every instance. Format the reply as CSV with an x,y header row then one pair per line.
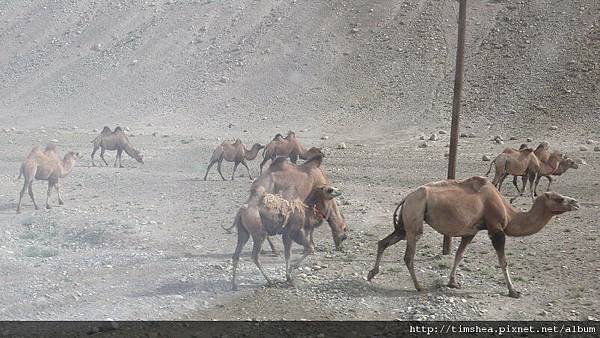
x,y
458,82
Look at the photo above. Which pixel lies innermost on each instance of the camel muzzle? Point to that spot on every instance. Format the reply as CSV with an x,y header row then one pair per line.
x,y
573,204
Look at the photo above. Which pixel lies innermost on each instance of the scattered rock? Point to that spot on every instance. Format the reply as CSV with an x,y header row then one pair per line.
x,y
512,138
433,137
463,135
529,139
423,145
553,127
597,148
354,30
583,148
486,158
442,132
223,79
341,146
589,142
324,137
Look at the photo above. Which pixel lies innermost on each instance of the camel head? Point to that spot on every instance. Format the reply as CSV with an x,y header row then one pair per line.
x,y
139,157
543,145
328,192
312,152
71,156
524,146
569,163
332,214
556,203
258,146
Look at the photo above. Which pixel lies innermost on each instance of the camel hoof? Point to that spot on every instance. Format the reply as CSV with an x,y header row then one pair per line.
x,y
453,285
48,207
234,287
420,288
291,283
37,208
372,274
18,211
514,294
61,203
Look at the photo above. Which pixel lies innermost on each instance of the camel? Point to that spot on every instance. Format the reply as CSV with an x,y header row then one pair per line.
x,y
522,162
462,208
288,146
236,153
557,164
115,140
293,219
292,182
45,165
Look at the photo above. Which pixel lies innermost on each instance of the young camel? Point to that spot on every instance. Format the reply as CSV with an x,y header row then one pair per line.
x,y
235,152
272,215
115,140
45,165
288,146
557,164
462,209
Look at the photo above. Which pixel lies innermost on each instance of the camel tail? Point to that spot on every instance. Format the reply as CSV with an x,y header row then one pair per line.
x,y
490,169
236,221
398,222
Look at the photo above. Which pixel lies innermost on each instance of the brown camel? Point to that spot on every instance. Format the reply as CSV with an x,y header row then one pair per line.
x,y
272,215
515,162
557,164
115,140
235,152
45,165
297,182
462,209
288,146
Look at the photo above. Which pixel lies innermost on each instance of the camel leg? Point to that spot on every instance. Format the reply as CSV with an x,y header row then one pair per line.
x,y
30,189
409,259
383,244
94,153
235,165
524,181
102,150
243,237
537,181
272,245
50,186
294,158
25,185
300,238
287,250
459,255
516,185
247,169
219,169
312,241
262,164
550,180
208,169
500,181
118,158
498,241
60,200
258,240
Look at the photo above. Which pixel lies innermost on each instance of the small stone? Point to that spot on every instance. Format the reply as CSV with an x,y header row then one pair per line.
x,y
463,135
442,132
433,137
583,148
96,130
486,158
423,145
589,142
324,137
529,139
471,135
512,138
341,146
553,127
422,137
224,79
597,148
54,140
154,134
354,30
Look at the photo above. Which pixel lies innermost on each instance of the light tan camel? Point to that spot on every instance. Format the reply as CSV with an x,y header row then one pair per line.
x,y
235,152
47,166
273,215
292,182
115,140
288,146
462,209
515,162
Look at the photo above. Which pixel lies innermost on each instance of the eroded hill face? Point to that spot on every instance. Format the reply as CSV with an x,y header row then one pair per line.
x,y
203,64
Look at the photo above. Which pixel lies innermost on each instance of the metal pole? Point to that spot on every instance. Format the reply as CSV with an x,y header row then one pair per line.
x,y
458,81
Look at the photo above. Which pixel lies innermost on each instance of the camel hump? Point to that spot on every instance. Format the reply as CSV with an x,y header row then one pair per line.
x,y
118,129
50,147
315,161
106,131
278,162
476,182
237,141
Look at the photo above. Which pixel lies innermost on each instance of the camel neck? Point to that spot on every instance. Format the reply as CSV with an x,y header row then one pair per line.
x,y
66,167
525,223
129,149
250,154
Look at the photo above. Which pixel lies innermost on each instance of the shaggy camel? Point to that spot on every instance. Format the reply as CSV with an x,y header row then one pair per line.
x,y
462,209
295,182
293,219
288,146
45,165
235,152
115,140
515,162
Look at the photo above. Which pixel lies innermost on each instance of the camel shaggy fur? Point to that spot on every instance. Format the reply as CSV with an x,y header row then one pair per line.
x,y
235,152
115,140
462,209
288,146
47,166
272,215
